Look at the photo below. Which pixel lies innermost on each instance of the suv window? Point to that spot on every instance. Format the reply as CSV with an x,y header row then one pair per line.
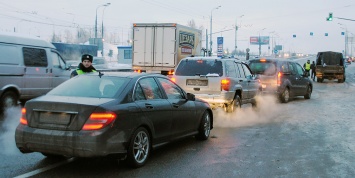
x,y
266,68
230,69
199,67
241,71
246,70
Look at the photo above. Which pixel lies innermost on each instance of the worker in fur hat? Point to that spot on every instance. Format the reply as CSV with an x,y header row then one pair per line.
x,y
85,66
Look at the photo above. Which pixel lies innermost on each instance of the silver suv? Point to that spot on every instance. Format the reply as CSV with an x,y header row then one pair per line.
x,y
226,83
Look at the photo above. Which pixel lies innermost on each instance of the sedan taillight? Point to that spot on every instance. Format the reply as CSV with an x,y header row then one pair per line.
x,y
23,119
225,84
98,121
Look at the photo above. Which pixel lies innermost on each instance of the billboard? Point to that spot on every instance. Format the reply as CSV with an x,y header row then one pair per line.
x,y
259,40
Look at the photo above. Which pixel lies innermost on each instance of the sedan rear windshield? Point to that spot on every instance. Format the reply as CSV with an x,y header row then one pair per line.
x,y
264,68
91,86
199,67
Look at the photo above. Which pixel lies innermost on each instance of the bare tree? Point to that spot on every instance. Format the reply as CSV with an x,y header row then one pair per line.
x,y
191,23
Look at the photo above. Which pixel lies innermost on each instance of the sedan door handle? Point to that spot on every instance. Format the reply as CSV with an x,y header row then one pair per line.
x,y
175,105
149,106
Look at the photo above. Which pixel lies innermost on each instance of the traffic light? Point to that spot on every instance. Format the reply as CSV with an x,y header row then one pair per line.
x,y
330,18
311,33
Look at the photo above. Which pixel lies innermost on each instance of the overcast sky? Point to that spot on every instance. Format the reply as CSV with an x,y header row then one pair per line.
x,y
279,19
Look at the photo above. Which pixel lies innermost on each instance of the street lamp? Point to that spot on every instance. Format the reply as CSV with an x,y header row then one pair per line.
x,y
346,38
260,41
96,19
102,25
211,28
236,29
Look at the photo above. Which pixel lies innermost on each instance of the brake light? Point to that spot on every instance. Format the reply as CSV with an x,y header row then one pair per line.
x,y
225,84
23,119
171,72
279,75
98,121
137,71
262,60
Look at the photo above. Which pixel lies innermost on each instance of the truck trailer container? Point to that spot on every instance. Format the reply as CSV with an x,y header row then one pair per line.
x,y
159,47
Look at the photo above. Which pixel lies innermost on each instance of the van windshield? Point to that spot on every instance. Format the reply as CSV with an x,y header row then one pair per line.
x,y
199,67
264,68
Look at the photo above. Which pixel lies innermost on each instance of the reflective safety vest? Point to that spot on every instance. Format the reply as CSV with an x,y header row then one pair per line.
x,y
308,66
79,71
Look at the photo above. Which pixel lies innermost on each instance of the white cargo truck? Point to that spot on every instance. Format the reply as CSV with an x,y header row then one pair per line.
x,y
158,47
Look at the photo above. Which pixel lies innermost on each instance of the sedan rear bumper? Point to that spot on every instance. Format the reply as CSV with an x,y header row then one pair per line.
x,y
69,143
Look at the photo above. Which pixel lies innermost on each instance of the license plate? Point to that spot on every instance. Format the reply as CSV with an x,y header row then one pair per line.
x,y
54,118
196,82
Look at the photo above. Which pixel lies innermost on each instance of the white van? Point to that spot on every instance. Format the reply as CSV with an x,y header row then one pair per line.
x,y
29,67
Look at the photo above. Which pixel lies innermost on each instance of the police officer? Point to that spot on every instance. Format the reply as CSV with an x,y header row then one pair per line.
x,y
307,66
85,66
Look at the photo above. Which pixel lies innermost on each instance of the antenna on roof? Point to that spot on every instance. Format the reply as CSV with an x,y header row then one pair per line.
x,y
100,74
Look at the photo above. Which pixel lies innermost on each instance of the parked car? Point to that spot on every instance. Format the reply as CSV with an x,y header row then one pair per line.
x,y
29,67
282,77
120,114
226,83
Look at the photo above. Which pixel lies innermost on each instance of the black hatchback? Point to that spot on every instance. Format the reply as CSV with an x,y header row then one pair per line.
x,y
282,77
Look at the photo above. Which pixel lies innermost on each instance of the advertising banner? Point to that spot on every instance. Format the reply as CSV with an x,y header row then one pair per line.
x,y
259,40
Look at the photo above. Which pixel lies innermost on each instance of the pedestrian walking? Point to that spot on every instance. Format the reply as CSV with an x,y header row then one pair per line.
x,y
313,70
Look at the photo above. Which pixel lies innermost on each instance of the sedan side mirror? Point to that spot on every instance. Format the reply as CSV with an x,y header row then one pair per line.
x,y
191,97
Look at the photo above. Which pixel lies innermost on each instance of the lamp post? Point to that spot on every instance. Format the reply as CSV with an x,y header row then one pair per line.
x,y
236,29
211,28
96,19
102,25
259,40
346,38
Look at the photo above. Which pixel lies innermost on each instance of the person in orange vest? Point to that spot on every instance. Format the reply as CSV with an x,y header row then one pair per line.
x,y
307,66
85,66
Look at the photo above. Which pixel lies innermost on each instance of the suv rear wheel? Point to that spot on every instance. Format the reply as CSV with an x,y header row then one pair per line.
x,y
236,103
285,96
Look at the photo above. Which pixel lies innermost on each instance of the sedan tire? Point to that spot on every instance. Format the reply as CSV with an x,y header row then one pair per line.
x,y
139,148
205,127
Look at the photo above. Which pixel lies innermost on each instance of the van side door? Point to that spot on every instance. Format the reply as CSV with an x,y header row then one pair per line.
x,y
57,71
36,78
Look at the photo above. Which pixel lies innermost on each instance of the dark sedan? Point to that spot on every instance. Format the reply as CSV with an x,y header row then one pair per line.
x,y
124,115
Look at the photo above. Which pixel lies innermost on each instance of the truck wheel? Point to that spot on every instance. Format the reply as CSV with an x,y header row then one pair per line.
x,y
320,80
8,99
236,103
285,96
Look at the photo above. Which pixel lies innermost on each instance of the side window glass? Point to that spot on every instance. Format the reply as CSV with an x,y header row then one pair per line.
x,y
284,67
242,74
237,70
138,93
299,69
171,89
35,57
292,69
150,88
246,71
230,69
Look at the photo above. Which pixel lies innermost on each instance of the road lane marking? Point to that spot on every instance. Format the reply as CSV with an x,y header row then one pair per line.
x,y
32,173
